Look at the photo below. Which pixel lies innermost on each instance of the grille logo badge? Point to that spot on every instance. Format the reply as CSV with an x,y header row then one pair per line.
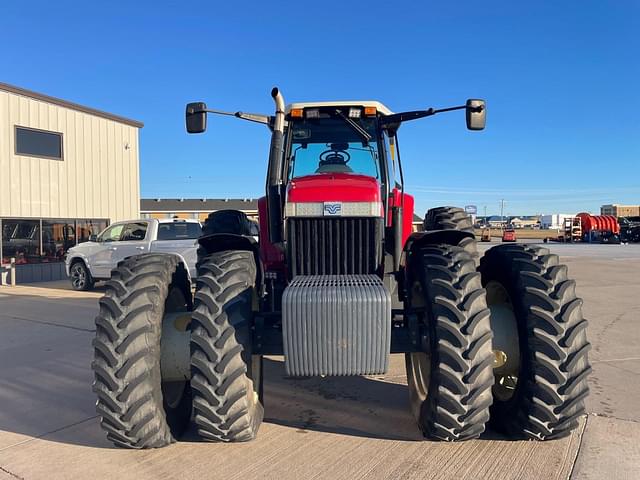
x,y
332,209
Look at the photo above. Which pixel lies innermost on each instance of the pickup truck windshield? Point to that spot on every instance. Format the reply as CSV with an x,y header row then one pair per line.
x,y
179,231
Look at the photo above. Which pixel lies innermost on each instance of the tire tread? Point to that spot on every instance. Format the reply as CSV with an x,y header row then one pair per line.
x,y
219,376
126,352
553,392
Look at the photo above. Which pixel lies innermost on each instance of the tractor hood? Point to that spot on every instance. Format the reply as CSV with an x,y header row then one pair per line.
x,y
333,187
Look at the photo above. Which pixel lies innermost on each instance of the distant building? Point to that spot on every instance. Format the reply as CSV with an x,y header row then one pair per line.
x,y
554,221
417,224
620,210
494,221
198,208
525,221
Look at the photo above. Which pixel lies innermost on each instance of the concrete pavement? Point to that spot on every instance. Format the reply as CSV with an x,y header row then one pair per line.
x,y
314,428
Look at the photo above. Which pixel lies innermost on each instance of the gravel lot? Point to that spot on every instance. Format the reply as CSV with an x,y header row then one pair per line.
x,y
314,428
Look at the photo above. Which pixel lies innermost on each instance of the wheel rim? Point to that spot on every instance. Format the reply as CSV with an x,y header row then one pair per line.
x,y
506,341
173,392
419,362
420,374
78,276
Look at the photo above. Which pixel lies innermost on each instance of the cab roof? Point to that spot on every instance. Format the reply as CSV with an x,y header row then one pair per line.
x,y
346,103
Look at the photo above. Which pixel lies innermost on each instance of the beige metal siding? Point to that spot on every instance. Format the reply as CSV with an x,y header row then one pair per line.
x,y
97,178
620,210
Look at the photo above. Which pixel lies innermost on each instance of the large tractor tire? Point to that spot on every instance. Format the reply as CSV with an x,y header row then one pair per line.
x,y
447,218
449,388
226,378
452,218
540,342
137,408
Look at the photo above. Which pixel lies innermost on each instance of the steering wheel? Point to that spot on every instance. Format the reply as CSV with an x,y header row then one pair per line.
x,y
334,157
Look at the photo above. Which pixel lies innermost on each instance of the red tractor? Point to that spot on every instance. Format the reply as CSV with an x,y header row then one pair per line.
x,y
336,283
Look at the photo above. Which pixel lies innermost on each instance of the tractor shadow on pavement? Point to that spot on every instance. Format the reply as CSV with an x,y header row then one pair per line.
x,y
357,406
51,399
371,407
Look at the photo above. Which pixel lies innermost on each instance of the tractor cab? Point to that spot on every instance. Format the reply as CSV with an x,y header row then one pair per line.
x,y
333,137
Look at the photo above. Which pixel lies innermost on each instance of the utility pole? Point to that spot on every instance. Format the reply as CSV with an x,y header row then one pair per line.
x,y
485,216
502,212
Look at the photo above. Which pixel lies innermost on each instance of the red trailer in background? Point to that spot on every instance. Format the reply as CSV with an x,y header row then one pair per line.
x,y
603,223
585,227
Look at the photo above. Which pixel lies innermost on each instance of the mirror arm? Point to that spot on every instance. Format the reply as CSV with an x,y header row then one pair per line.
x,y
252,117
477,109
397,118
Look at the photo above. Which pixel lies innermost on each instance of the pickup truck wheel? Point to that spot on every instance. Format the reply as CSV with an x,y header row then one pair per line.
x,y
138,408
226,378
81,279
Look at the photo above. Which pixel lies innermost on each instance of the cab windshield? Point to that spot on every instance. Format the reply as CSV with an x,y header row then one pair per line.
x,y
330,145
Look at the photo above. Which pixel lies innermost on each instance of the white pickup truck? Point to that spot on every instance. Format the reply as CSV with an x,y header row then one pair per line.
x,y
91,261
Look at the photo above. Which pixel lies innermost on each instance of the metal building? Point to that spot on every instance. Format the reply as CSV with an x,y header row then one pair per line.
x,y
66,172
198,208
620,210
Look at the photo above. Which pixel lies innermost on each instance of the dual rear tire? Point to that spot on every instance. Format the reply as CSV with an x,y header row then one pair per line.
x,y
539,357
138,408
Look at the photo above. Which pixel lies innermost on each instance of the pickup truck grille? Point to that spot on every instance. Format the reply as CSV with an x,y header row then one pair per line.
x,y
334,246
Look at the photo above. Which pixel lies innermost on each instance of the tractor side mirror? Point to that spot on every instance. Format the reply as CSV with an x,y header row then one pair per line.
x,y
476,114
196,117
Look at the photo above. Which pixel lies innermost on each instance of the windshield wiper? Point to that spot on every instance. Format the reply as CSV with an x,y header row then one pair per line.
x,y
363,133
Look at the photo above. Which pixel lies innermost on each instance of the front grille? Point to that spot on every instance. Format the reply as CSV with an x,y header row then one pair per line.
x,y
334,246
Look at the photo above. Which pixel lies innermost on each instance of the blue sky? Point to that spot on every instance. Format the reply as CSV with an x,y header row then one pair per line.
x,y
560,79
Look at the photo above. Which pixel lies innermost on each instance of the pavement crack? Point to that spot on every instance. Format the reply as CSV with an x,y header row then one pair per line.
x,y
613,417
42,435
575,459
53,324
611,360
11,474
606,328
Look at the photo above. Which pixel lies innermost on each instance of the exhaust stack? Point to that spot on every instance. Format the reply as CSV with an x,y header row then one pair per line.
x,y
279,101
274,176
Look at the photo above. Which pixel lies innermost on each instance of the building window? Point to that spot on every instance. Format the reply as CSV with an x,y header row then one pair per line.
x,y
86,228
38,143
20,240
58,236
43,241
